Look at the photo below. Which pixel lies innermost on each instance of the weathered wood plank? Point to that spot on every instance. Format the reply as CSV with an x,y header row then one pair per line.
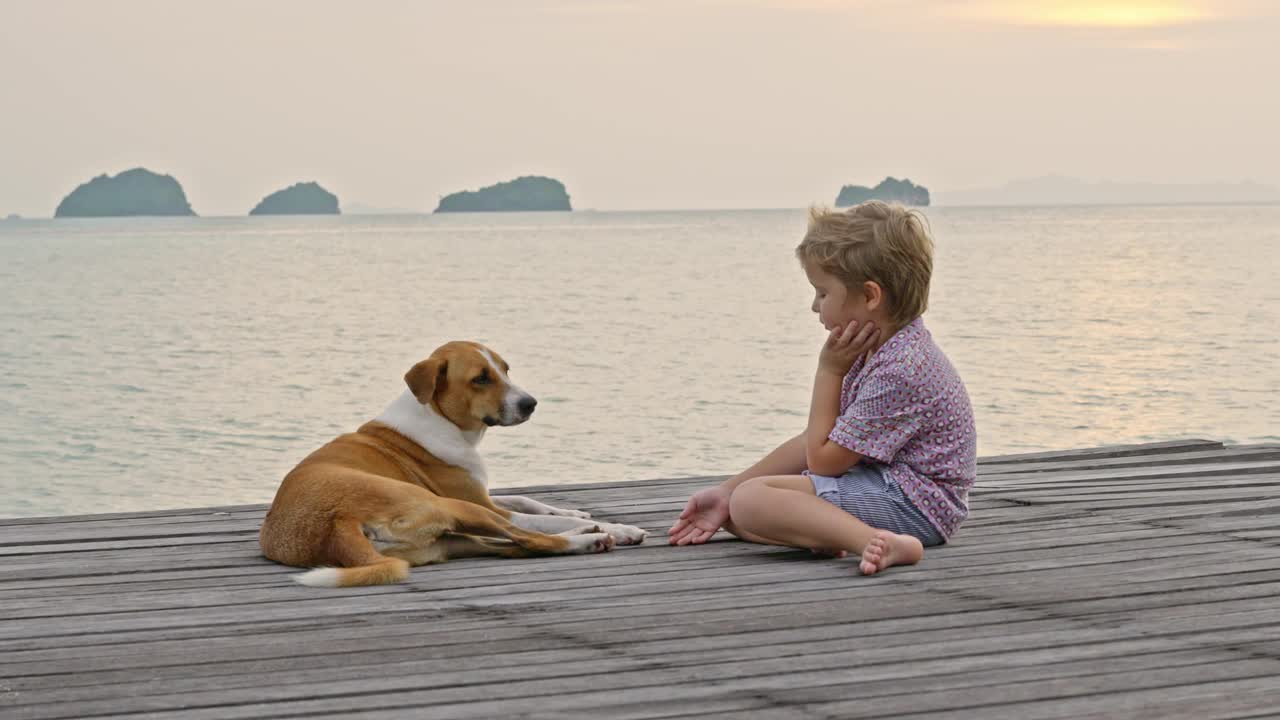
x,y
457,672
992,472
1104,582
778,676
1154,449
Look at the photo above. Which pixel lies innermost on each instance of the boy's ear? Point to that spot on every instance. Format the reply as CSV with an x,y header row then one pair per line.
x,y
873,294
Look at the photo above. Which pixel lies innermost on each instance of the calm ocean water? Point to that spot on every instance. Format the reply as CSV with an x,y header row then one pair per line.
x,y
154,363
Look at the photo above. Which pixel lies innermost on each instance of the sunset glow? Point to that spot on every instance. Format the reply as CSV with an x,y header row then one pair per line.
x,y
1097,14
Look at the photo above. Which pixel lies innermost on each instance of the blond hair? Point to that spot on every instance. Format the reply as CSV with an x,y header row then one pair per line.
x,y
886,244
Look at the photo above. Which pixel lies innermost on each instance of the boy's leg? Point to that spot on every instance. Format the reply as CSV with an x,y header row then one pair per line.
x,y
784,510
747,530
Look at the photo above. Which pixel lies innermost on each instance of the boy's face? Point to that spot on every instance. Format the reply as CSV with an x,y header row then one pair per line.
x,y
835,303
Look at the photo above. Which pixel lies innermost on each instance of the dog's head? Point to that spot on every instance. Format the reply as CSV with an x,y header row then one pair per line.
x,y
467,383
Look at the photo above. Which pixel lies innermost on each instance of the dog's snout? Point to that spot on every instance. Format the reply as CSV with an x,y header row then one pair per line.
x,y
527,404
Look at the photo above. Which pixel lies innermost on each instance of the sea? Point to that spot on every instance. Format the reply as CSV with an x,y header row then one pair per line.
x,y
153,363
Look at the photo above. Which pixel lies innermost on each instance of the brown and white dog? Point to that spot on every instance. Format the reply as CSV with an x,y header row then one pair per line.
x,y
409,488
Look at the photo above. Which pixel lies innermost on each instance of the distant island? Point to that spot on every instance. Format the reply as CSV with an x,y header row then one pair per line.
x,y
133,192
13,216
524,194
1060,190
889,190
299,199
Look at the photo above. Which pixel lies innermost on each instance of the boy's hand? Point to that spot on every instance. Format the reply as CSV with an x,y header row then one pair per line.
x,y
844,347
703,515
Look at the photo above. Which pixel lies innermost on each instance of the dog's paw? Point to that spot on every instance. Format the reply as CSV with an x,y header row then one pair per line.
x,y
590,543
625,534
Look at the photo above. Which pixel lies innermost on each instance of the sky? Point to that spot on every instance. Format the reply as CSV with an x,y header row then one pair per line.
x,y
633,105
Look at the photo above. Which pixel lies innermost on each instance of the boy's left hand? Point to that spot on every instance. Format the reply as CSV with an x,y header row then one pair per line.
x,y
845,346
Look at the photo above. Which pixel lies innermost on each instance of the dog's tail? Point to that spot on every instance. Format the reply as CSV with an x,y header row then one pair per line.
x,y
360,563
384,571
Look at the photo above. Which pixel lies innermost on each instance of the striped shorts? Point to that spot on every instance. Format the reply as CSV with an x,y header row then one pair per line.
x,y
874,498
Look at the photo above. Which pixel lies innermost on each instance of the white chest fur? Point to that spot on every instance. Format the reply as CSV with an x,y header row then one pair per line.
x,y
423,425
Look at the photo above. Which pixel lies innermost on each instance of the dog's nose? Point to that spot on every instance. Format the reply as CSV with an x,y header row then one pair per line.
x,y
527,404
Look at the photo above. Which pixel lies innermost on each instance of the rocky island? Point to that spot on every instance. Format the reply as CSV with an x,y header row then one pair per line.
x,y
524,194
890,189
299,199
133,192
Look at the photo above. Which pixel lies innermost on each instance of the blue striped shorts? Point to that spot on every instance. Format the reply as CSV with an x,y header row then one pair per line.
x,y
873,497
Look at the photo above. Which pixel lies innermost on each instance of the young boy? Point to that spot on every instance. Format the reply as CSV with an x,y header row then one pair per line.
x,y
885,465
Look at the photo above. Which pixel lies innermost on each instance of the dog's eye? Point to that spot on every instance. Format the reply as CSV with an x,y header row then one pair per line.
x,y
482,379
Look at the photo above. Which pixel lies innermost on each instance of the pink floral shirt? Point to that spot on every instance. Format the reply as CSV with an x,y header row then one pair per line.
x,y
907,409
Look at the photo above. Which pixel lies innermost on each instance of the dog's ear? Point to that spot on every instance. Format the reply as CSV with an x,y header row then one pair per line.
x,y
426,378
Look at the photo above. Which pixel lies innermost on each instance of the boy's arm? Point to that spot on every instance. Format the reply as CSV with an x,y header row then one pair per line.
x,y
823,456
842,349
708,509
786,459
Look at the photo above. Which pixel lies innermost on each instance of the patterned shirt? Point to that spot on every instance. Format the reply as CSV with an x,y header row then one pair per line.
x,y
906,408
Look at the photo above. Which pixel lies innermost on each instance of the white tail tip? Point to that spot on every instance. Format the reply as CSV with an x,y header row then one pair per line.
x,y
319,577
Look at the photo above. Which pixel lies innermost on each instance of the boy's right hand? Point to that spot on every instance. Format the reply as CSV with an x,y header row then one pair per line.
x,y
845,345
703,515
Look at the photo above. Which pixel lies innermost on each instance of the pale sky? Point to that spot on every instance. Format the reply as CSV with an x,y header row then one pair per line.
x,y
634,105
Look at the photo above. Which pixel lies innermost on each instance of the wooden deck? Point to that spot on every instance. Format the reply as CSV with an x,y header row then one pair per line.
x,y
1122,582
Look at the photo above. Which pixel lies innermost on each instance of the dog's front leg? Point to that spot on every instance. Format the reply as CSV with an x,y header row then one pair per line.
x,y
555,524
522,504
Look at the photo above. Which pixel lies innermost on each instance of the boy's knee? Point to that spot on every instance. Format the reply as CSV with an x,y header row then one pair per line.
x,y
746,499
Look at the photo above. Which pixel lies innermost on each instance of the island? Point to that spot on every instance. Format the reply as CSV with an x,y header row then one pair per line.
x,y
524,194
299,199
133,192
889,190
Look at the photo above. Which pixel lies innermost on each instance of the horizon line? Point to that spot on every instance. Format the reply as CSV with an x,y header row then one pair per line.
x,y
18,217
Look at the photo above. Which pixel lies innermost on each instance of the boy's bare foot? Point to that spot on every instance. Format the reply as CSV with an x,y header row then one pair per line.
x,y
887,549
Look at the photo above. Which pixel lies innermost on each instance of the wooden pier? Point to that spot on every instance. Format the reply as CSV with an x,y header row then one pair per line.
x,y
1118,582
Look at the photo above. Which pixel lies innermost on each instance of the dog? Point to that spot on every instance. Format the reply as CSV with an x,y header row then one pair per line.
x,y
409,487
